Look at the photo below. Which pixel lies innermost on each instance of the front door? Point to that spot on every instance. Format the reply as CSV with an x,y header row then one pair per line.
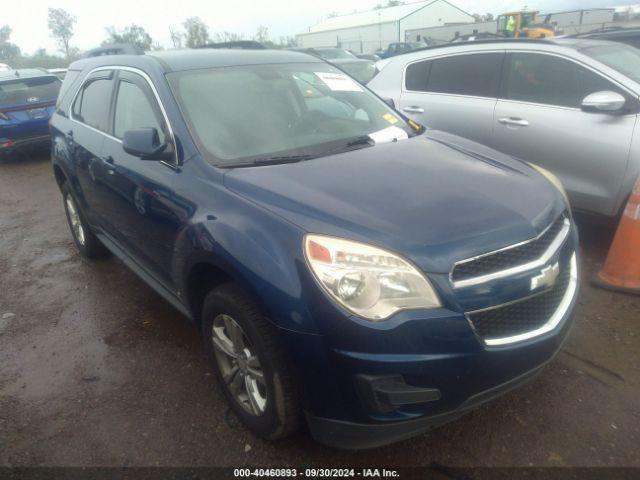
x,y
143,209
538,119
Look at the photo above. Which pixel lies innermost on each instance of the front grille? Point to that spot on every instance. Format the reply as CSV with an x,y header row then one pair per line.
x,y
522,316
511,257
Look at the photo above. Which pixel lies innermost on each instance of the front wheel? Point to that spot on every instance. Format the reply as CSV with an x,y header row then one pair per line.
x,y
249,363
87,243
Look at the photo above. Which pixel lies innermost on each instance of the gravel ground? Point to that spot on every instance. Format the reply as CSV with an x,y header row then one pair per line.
x,y
97,369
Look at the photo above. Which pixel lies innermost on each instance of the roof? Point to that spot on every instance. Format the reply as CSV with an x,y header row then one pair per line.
x,y
506,43
178,60
23,73
381,15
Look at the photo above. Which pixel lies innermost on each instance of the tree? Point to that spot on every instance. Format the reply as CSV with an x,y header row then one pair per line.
x,y
8,50
390,3
133,34
228,37
262,34
61,25
176,37
196,32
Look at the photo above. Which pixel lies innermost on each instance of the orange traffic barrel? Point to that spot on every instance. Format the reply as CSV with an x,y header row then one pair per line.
x,y
621,269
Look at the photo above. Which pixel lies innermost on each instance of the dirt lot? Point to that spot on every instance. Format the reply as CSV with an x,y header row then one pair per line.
x,y
96,369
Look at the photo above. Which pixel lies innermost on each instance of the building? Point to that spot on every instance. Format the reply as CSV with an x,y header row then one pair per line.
x,y
369,31
574,21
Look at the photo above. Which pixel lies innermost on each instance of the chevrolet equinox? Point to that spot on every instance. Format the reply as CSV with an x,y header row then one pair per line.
x,y
347,269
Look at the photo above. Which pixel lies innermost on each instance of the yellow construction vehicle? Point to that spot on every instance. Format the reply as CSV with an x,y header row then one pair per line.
x,y
524,24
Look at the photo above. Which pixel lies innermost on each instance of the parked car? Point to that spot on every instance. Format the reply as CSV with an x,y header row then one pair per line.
x,y
568,105
366,56
4,67
472,37
345,268
629,36
238,44
58,72
360,69
27,100
398,48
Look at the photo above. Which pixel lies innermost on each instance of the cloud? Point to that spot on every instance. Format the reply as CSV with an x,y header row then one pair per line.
x,y
28,19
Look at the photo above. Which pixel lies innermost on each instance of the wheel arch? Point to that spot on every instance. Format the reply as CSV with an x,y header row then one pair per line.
x,y
59,175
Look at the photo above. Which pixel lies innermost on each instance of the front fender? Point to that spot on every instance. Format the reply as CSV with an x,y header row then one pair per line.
x,y
258,249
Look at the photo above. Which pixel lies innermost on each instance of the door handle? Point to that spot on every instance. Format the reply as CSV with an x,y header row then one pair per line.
x,y
413,109
109,161
518,122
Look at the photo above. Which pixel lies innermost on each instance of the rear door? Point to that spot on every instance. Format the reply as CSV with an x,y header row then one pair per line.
x,y
455,93
538,119
89,118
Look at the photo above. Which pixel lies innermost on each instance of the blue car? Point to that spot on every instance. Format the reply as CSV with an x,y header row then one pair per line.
x,y
27,101
348,269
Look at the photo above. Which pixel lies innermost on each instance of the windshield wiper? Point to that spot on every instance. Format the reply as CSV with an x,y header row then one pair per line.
x,y
275,160
352,144
349,145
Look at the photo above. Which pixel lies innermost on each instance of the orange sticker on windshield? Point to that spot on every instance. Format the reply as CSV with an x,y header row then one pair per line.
x,y
390,118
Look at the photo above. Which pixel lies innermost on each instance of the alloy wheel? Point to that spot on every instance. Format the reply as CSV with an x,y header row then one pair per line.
x,y
74,219
240,367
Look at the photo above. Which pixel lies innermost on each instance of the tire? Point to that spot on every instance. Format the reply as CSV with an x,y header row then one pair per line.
x,y
87,243
280,415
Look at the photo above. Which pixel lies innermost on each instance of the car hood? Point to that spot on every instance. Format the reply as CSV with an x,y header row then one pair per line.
x,y
435,198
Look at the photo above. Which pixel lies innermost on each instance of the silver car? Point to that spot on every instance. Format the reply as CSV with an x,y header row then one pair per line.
x,y
568,105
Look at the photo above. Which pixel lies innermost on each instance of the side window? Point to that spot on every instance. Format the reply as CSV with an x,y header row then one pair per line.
x,y
134,110
550,80
69,79
91,106
476,75
417,76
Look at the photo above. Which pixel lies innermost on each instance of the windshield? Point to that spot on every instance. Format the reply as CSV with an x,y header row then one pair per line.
x,y
262,113
29,90
333,53
623,58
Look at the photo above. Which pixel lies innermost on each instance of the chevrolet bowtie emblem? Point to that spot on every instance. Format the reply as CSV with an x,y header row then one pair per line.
x,y
547,277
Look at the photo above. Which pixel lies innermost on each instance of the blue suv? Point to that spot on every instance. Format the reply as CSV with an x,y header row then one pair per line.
x,y
27,101
348,269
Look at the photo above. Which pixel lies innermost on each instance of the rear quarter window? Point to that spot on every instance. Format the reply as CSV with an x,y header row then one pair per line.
x,y
69,80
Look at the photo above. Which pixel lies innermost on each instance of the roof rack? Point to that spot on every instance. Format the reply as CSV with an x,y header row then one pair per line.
x,y
239,44
113,49
548,41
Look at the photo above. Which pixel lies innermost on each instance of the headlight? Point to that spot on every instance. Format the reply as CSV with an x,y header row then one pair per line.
x,y
555,181
368,281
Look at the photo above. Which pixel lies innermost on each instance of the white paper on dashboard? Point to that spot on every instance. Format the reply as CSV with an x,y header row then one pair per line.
x,y
389,134
338,82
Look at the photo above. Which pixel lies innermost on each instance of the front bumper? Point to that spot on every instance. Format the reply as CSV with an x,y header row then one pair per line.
x,y
353,436
367,384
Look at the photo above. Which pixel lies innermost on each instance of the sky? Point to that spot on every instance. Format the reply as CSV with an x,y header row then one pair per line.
x,y
28,18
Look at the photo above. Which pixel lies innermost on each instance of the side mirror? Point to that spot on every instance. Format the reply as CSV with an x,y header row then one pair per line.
x,y
144,143
603,102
